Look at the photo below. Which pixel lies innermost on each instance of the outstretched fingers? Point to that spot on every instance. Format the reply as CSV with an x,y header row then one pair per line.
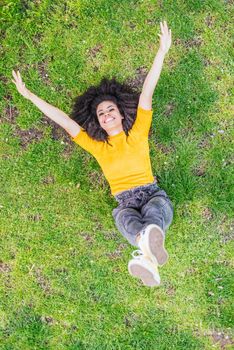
x,y
17,79
19,76
164,28
14,75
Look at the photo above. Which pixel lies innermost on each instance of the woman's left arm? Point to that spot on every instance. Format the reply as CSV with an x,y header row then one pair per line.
x,y
151,80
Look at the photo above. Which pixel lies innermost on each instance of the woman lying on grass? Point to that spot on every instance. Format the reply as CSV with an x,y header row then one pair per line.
x,y
112,122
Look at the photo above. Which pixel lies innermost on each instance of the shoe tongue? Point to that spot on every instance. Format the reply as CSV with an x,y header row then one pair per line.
x,y
147,257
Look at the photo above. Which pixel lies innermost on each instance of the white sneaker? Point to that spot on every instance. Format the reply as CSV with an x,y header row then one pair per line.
x,y
142,267
151,243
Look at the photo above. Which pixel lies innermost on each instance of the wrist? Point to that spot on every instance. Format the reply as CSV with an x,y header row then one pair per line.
x,y
30,96
162,52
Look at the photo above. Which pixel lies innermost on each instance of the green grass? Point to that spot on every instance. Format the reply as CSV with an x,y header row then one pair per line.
x,y
64,282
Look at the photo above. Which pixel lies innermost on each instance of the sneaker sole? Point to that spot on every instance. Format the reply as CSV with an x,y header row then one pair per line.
x,y
145,275
156,245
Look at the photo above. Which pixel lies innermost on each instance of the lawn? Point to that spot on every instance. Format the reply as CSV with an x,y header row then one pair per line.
x,y
64,282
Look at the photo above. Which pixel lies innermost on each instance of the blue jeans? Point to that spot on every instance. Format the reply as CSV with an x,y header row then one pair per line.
x,y
139,207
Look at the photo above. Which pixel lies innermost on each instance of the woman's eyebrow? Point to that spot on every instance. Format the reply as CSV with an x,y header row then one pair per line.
x,y
107,107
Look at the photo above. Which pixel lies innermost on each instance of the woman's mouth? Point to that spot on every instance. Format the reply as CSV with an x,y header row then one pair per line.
x,y
108,120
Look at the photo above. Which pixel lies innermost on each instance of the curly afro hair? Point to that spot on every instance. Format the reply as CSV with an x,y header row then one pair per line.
x,y
84,108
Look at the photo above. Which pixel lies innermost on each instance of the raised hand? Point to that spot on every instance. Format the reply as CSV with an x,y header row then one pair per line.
x,y
20,85
165,37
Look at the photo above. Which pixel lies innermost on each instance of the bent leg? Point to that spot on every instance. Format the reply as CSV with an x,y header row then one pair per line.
x,y
158,210
129,222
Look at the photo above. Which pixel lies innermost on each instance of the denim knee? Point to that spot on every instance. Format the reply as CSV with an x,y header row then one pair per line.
x,y
168,213
158,210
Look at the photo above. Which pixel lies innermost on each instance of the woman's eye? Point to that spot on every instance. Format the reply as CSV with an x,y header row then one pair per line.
x,y
112,109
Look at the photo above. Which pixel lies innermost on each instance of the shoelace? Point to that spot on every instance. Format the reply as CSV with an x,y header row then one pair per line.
x,y
140,253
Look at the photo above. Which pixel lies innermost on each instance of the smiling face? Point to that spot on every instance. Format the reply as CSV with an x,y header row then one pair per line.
x,y
109,117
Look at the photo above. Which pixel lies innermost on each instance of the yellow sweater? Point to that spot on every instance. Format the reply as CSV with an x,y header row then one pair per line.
x,y
126,164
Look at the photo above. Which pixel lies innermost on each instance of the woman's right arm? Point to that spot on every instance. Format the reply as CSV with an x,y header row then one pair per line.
x,y
50,111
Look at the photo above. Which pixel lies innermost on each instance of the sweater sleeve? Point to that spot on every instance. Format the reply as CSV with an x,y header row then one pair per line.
x,y
86,142
143,121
